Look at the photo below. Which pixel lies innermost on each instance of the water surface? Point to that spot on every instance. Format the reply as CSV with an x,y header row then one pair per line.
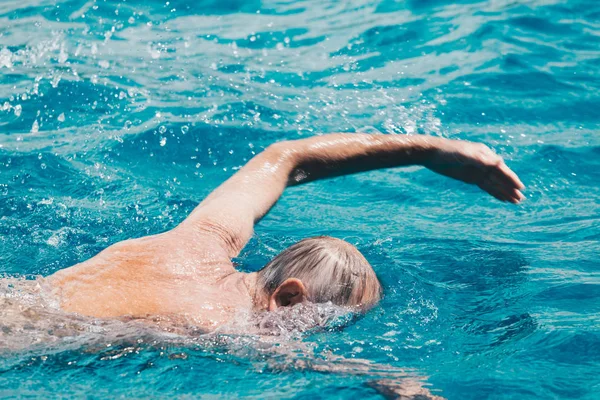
x,y
117,117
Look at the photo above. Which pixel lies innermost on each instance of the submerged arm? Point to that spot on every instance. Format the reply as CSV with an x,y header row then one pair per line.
x,y
230,212
391,382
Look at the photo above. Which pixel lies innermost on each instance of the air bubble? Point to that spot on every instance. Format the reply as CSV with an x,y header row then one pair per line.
x,y
162,129
185,129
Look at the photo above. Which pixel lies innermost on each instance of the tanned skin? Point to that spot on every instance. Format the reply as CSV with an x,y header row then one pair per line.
x,y
186,273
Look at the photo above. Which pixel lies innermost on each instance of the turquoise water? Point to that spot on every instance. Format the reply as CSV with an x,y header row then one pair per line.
x,y
117,117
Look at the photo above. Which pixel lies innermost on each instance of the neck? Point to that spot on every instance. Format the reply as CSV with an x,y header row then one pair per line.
x,y
258,298
246,289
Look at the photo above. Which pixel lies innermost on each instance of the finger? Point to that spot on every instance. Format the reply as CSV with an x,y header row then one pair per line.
x,y
518,195
508,191
505,184
509,175
513,196
502,191
513,200
494,191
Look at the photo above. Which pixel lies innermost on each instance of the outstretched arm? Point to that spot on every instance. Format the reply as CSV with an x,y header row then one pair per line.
x,y
229,213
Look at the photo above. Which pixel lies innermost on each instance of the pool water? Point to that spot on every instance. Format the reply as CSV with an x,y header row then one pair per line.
x,y
118,117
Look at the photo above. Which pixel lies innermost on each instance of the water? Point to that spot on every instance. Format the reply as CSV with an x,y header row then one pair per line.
x,y
116,118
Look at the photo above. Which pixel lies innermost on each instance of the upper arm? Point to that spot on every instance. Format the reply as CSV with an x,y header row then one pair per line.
x,y
229,213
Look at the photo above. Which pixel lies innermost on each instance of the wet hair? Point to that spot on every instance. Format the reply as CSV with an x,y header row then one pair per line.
x,y
332,270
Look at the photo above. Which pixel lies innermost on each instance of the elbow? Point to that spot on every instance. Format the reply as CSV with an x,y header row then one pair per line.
x,y
286,156
282,153
279,148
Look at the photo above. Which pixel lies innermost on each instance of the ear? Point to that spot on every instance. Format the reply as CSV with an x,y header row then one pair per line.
x,y
289,293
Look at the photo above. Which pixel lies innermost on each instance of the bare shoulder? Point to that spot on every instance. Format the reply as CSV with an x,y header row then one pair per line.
x,y
173,253
218,226
180,250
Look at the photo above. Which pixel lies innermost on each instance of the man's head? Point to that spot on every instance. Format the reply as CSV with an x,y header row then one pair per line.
x,y
319,270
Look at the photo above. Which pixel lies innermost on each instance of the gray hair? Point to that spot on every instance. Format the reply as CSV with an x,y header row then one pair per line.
x,y
330,269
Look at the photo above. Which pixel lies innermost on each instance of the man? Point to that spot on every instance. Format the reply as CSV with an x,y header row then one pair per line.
x,y
186,274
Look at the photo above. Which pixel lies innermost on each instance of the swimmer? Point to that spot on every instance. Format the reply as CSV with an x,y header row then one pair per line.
x,y
187,273
185,277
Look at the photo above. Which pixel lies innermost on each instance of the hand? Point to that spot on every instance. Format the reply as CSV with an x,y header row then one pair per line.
x,y
402,390
475,163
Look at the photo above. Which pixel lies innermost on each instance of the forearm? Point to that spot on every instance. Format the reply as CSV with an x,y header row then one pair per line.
x,y
340,154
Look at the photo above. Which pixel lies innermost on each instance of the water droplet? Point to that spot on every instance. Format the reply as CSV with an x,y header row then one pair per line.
x,y
55,81
185,129
61,117
63,56
6,58
163,141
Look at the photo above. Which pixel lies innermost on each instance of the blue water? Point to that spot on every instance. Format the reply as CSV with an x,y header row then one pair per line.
x,y
117,117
